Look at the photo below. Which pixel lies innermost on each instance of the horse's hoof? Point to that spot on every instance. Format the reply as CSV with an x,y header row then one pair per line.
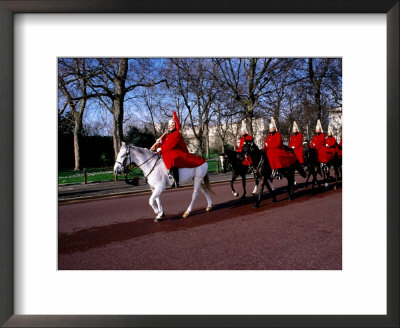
x,y
256,205
156,220
243,197
334,187
209,208
185,215
161,215
235,194
326,185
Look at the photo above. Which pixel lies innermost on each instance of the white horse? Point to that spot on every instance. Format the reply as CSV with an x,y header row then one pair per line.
x,y
156,174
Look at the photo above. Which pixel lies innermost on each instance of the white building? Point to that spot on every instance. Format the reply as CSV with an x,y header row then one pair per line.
x,y
233,134
335,121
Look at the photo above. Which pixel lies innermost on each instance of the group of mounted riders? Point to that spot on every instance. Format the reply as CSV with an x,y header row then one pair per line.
x,y
171,146
281,156
274,159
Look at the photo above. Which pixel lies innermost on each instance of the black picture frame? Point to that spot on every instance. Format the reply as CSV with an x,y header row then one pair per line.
x,y
7,10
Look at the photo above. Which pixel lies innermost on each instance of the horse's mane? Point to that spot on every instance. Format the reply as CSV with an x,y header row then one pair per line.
x,y
143,151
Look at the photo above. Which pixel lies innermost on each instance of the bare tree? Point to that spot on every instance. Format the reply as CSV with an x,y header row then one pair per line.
x,y
74,74
247,80
317,73
198,89
115,84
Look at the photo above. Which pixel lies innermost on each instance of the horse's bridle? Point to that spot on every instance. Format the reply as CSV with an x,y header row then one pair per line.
x,y
128,153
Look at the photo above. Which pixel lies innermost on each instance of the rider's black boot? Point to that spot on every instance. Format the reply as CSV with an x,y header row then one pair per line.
x,y
174,171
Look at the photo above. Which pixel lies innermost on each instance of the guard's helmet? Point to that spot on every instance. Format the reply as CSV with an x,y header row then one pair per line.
x,y
272,124
319,126
295,127
171,122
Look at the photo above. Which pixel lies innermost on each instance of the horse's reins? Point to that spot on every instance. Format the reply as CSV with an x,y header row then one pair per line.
x,y
130,162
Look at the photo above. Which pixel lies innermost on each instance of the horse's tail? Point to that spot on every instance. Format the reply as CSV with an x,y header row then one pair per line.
x,y
207,184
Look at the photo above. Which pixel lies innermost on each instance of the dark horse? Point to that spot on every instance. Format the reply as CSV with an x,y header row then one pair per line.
x,y
315,167
264,170
238,169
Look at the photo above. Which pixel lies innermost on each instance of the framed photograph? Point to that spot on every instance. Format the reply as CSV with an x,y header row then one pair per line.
x,y
362,292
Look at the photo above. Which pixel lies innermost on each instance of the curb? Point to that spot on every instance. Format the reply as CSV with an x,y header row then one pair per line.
x,y
129,193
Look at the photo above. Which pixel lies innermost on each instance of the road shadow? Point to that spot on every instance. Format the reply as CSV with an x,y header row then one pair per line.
x,y
83,240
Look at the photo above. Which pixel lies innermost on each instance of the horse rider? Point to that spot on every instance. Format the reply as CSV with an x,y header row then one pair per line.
x,y
277,155
318,143
243,139
331,145
296,143
174,152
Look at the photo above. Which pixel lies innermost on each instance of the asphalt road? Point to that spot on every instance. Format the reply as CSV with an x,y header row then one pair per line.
x,y
118,233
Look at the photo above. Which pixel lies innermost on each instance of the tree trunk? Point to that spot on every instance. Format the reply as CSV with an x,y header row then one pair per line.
x,y
77,137
118,118
207,142
118,104
249,119
318,103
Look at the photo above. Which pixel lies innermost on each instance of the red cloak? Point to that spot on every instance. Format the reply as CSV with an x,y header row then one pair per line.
x,y
277,155
318,142
296,142
331,148
174,151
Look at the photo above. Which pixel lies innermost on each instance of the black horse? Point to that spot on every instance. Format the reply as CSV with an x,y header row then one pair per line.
x,y
323,169
238,169
264,170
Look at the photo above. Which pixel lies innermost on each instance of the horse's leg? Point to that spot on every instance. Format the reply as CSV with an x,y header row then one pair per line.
x,y
271,189
315,179
152,201
325,177
243,185
207,195
254,192
313,175
290,178
196,186
155,203
257,204
336,168
318,171
160,209
234,176
286,174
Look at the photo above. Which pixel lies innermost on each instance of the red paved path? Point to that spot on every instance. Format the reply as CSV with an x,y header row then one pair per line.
x,y
119,233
